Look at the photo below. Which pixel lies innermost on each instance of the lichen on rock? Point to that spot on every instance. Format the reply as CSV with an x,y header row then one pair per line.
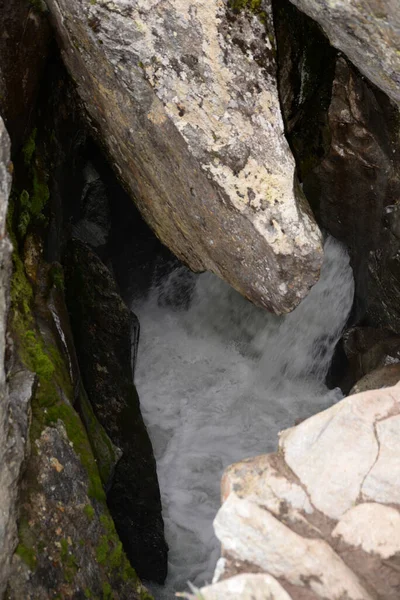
x,y
184,97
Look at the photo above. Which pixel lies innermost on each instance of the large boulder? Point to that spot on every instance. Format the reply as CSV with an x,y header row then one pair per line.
x,y
320,518
367,31
183,96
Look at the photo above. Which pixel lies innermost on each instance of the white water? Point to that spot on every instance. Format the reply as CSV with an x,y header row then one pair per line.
x,y
217,382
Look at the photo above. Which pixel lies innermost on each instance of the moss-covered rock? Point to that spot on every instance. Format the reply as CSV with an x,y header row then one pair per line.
x,y
102,325
63,515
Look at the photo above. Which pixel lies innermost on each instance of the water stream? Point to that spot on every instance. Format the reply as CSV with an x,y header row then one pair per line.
x,y
218,379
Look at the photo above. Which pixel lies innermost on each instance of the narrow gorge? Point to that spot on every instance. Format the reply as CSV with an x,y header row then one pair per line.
x,y
200,325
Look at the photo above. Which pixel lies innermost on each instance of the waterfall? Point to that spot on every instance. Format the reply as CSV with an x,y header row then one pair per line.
x,y
218,379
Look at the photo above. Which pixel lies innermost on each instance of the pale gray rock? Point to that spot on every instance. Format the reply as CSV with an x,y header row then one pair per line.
x,y
374,527
13,423
184,97
245,587
321,516
367,31
385,376
333,452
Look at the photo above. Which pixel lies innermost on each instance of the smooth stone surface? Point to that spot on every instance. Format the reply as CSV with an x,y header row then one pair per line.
x,y
322,515
374,527
246,587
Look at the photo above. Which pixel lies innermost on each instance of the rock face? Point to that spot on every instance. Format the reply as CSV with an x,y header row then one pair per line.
x,y
13,398
77,553
184,97
344,135
102,326
24,45
355,188
13,427
368,32
321,518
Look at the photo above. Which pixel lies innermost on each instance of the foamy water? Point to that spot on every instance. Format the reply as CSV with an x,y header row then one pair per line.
x,y
217,381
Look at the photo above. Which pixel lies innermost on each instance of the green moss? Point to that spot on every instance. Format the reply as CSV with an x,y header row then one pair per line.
x,y
76,434
69,562
116,556
254,6
87,592
57,276
64,549
27,554
103,449
38,6
40,194
89,512
251,5
107,591
38,359
30,145
102,550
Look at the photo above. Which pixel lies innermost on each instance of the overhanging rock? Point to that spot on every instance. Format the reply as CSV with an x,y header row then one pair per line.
x,y
183,96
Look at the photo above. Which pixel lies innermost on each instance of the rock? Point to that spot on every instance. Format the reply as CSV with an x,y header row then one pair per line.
x,y
366,349
101,324
354,187
68,542
373,527
24,48
12,423
306,68
343,133
245,587
350,27
386,376
184,98
60,494
321,516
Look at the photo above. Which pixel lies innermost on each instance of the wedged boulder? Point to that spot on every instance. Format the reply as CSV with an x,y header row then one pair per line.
x,y
320,518
368,32
183,96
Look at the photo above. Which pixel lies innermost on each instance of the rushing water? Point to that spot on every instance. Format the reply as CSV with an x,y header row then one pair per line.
x,y
218,379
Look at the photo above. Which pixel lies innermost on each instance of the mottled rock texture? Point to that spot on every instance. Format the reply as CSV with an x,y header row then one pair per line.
x,y
183,95
13,427
321,517
67,545
367,31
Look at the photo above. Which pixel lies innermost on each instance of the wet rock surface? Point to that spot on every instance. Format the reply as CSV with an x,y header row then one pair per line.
x,y
24,48
102,325
184,97
354,191
321,517
350,27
